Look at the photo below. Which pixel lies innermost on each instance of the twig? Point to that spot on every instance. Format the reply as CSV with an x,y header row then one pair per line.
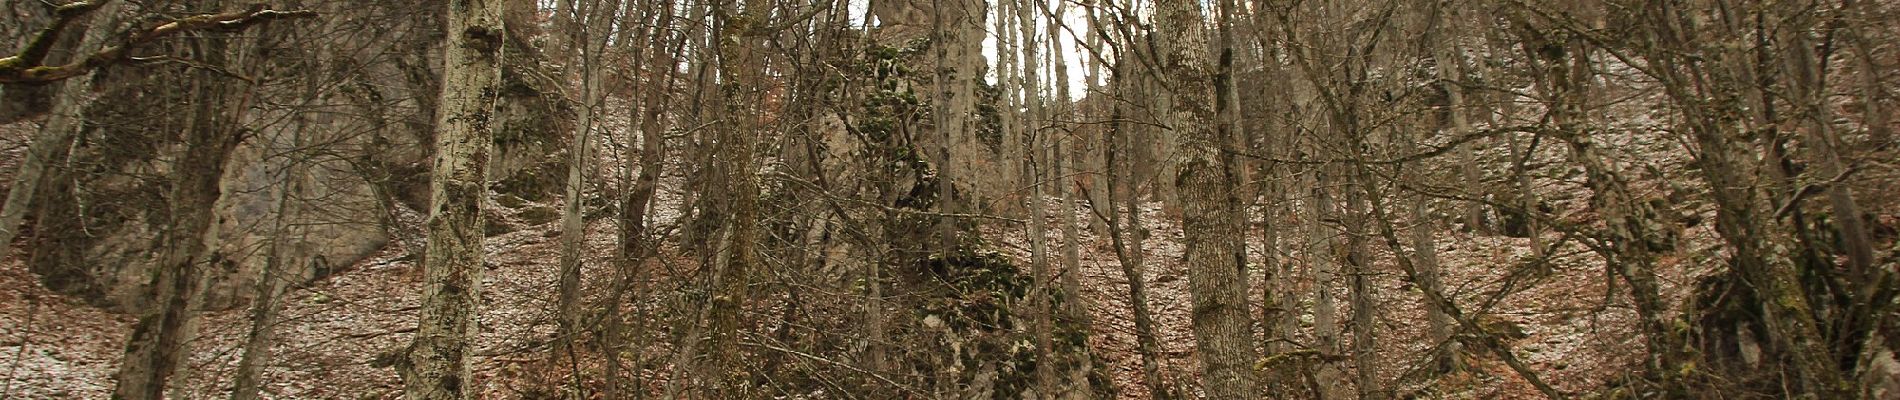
x,y
809,356
25,67
1810,189
26,339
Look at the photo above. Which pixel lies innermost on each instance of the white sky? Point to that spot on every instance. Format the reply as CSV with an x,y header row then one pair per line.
x,y
1073,17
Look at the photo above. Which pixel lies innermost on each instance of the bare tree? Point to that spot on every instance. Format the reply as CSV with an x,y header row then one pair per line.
x,y
56,135
600,17
158,341
438,360
1223,328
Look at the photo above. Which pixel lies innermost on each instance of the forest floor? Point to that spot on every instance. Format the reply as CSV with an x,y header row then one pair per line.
x,y
1567,335
336,335
333,331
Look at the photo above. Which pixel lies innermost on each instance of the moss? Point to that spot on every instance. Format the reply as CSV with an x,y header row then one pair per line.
x,y
538,215
974,295
536,183
495,227
510,201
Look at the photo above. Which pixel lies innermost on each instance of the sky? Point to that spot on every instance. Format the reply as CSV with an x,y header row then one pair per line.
x,y
1073,17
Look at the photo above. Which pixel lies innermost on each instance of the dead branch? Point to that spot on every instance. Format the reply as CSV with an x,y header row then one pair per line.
x,y
25,66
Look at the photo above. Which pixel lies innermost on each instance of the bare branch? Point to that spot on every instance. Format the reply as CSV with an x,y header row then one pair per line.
x,y
25,67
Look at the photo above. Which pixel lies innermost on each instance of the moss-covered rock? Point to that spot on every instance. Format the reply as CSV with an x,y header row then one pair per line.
x,y
975,310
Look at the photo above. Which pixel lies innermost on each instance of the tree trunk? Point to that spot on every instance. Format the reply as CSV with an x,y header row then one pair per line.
x,y
1745,220
56,134
1076,308
956,34
438,367
1128,241
1037,163
593,41
158,341
1319,247
1068,150
740,35
1223,328
272,280
1361,291
1810,96
634,244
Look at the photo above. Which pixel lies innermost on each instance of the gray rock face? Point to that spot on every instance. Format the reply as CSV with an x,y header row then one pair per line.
x,y
342,153
94,233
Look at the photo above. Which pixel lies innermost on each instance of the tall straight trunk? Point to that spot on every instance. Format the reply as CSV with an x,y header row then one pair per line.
x,y
1425,248
1013,152
438,366
1808,81
1076,309
55,137
159,338
572,227
1521,180
611,329
593,41
1280,301
634,243
272,281
956,34
695,148
667,50
1092,91
1360,289
1318,256
1449,61
1046,382
741,68
1128,241
1810,94
945,117
1068,151
1865,22
876,353
1503,113
1038,159
1278,315
1874,116
697,173
1223,328
264,309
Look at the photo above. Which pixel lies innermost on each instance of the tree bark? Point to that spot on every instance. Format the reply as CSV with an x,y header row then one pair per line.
x,y
1128,241
1809,87
56,134
1223,328
439,354
1319,247
1745,220
158,341
271,281
740,33
593,41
